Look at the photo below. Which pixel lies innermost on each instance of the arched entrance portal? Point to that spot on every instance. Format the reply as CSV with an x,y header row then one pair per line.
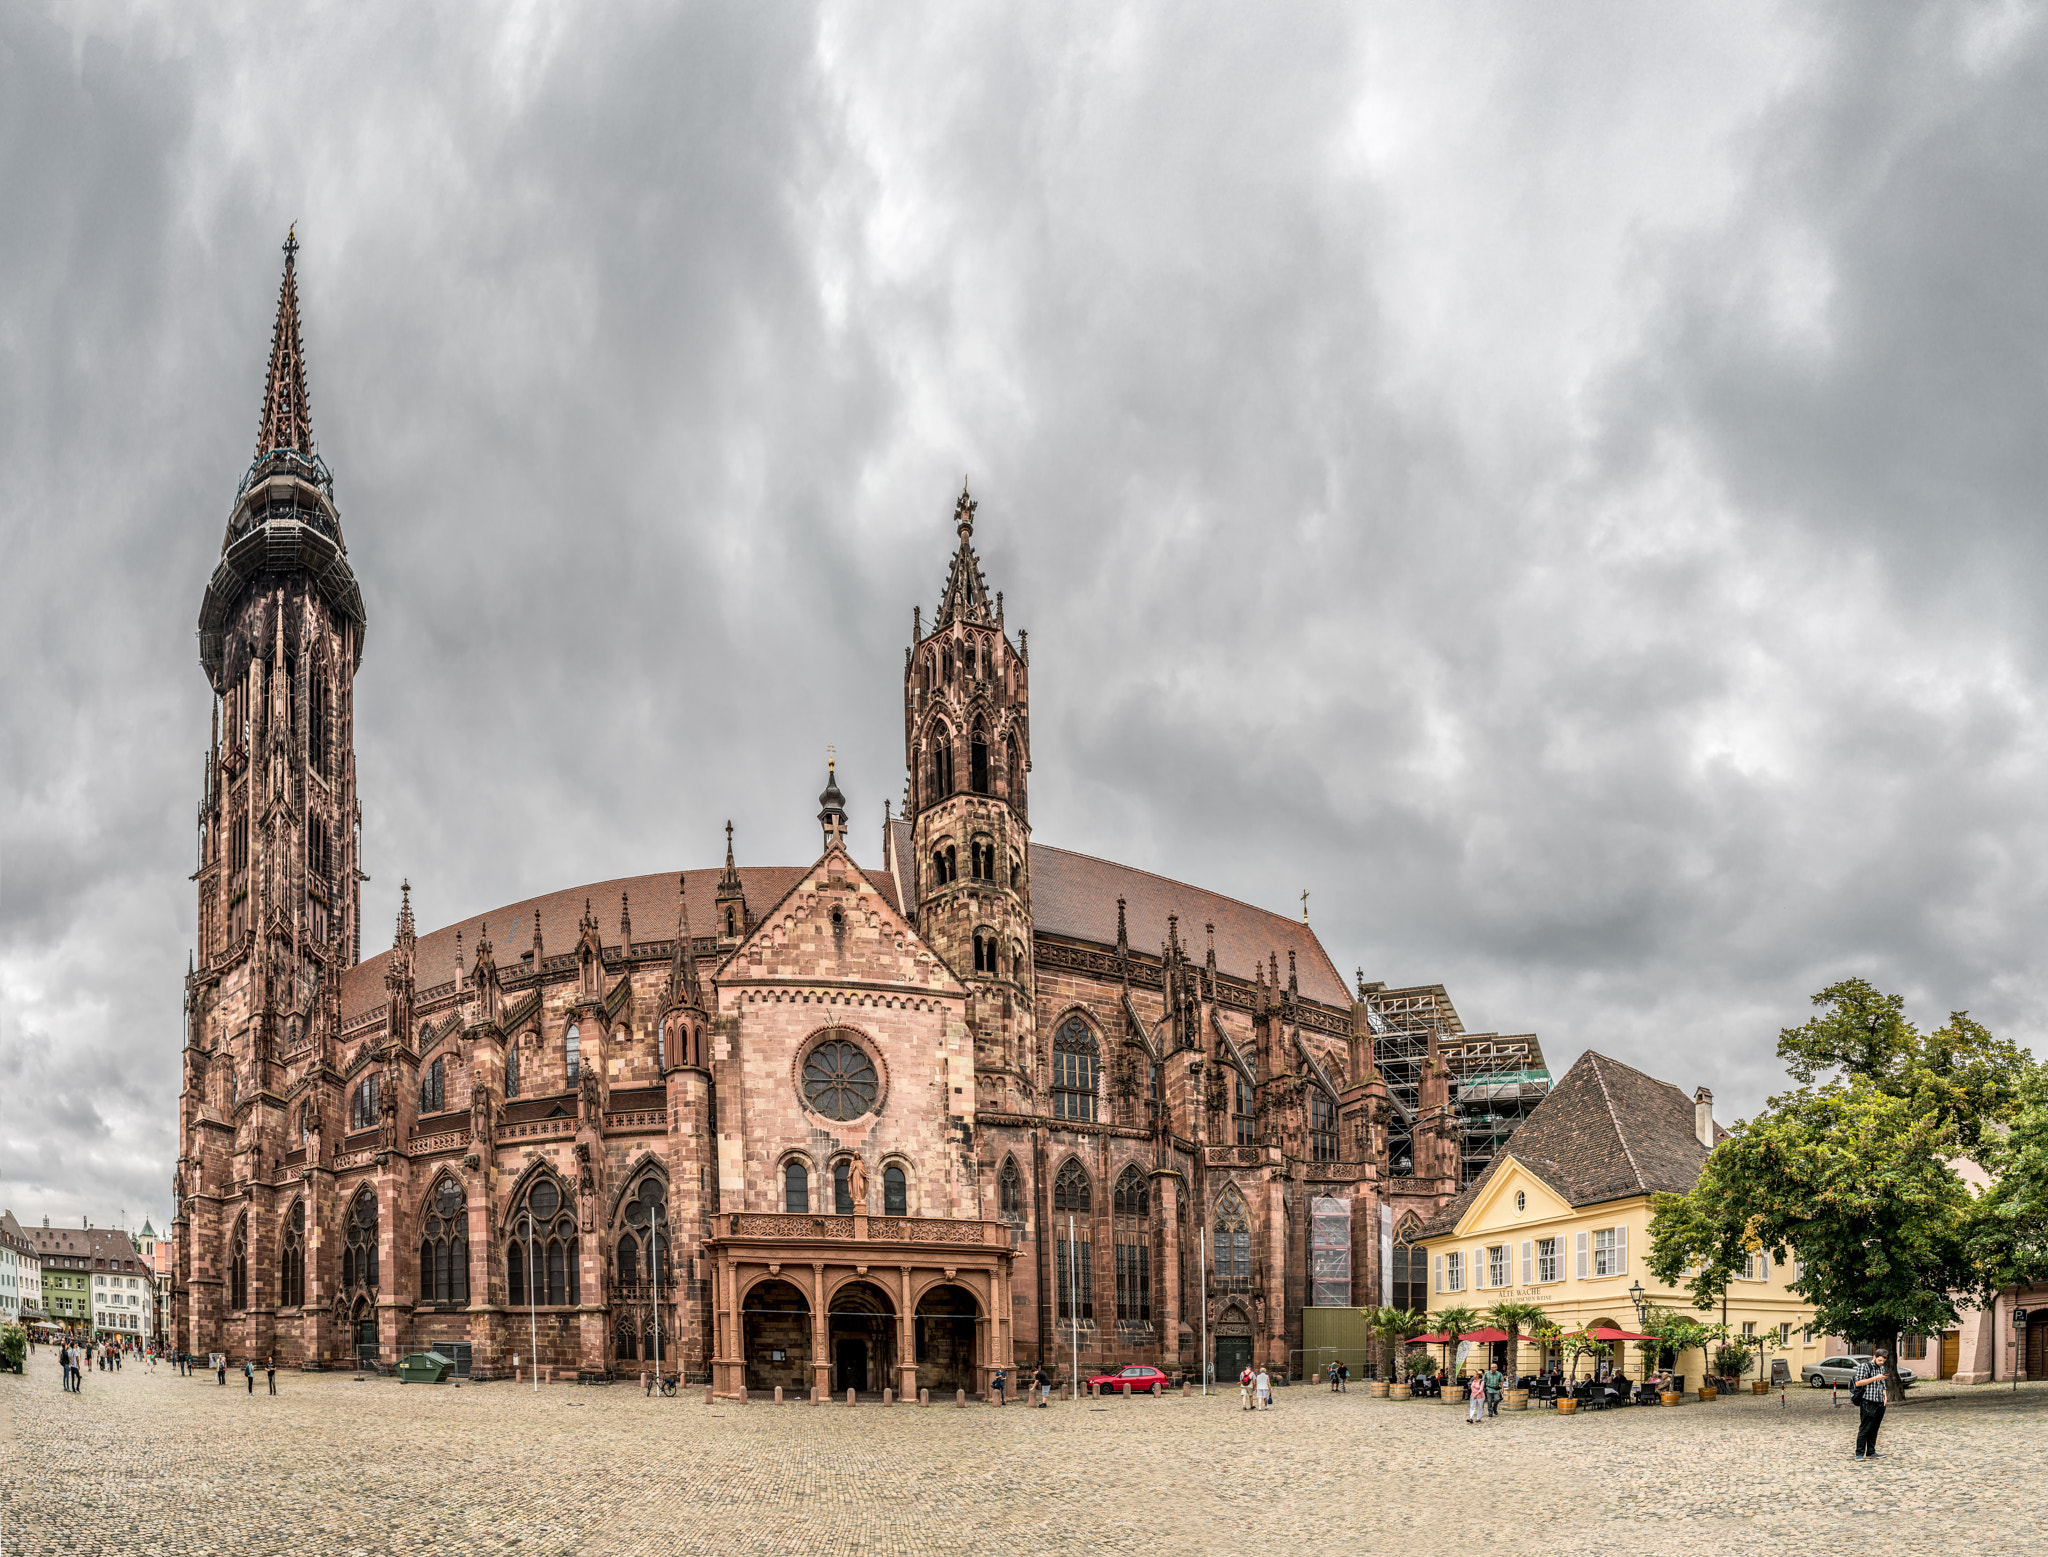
x,y
861,1335
946,1339
365,1330
775,1328
1233,1344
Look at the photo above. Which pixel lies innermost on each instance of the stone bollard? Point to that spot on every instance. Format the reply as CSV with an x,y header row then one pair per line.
x,y
1186,1389
742,1397
778,1394
849,1397
516,1371
1155,1389
814,1394
643,1381
924,1397
888,1397
1092,1391
707,1394
960,1398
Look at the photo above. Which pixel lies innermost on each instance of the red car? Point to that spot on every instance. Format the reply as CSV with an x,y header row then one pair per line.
x,y
1134,1380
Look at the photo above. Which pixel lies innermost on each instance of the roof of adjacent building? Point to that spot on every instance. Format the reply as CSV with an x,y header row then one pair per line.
x,y
1072,895
84,1243
1605,1132
12,1235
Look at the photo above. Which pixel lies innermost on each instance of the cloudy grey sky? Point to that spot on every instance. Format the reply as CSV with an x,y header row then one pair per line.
x,y
1562,484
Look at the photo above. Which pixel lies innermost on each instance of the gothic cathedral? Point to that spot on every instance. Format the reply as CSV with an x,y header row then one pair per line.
x,y
976,1103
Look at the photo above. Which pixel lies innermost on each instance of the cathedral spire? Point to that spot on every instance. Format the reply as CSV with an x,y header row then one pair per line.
x,y
287,413
832,815
683,986
966,597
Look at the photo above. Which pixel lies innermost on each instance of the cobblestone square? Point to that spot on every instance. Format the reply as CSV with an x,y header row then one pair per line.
x,y
152,1463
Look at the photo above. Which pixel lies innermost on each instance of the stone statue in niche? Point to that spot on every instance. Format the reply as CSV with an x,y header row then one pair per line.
x,y
588,1088
857,1184
479,1112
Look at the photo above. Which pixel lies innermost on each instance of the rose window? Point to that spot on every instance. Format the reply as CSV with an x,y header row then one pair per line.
x,y
840,1081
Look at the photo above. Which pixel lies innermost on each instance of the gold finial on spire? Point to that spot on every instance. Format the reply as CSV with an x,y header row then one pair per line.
x,y
1304,905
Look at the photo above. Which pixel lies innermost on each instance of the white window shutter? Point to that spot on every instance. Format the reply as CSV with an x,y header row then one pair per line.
x,y
1621,1251
1528,1262
1579,1242
1763,1262
1478,1269
1437,1265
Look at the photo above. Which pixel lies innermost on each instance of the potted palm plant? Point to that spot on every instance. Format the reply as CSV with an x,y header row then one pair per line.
x,y
1390,1327
1514,1318
1456,1324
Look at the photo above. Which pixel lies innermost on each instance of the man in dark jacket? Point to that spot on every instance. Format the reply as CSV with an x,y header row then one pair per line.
x,y
1868,1392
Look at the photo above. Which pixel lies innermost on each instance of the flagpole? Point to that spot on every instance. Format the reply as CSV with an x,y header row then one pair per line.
x,y
1202,1269
1074,1288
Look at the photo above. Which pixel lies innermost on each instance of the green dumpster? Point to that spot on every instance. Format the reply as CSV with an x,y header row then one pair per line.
x,y
425,1368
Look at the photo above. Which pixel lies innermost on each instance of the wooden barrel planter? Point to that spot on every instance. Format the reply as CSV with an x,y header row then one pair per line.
x,y
1708,1392
1566,1405
1377,1388
1759,1387
1670,1397
1515,1399
1399,1391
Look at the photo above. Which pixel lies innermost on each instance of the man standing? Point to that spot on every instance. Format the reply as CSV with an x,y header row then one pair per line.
x,y
270,1372
1265,1390
1868,1392
1495,1382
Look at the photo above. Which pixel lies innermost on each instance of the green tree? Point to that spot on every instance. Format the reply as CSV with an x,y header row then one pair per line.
x,y
1582,1343
1390,1327
1514,1318
2009,1243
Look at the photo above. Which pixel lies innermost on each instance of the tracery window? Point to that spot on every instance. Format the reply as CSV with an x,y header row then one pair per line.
x,y
661,1045
572,1049
1322,1126
842,1188
304,1136
1010,1189
1130,1206
1131,1197
291,1264
433,1089
895,1192
1013,760
1242,1117
1076,1276
512,1068
359,1244
444,1246
839,1080
541,1260
984,952
362,1112
1411,1274
1073,1070
942,760
1070,1188
977,756
646,1230
1233,1240
238,1267
796,1186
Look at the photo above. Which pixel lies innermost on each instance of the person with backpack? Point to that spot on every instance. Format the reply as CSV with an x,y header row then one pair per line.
x,y
1044,1382
1869,1394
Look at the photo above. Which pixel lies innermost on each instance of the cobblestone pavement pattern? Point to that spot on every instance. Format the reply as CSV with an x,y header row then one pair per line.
x,y
158,1464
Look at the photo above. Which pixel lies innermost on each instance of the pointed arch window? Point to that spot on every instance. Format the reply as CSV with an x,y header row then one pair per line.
x,y
796,1186
645,1241
895,1192
572,1050
1070,1188
1131,1218
1242,1111
1010,1190
842,1188
1233,1240
291,1263
543,1262
1013,764
661,1046
238,1267
433,1089
977,756
359,1244
444,1246
1322,1126
512,1068
942,760
362,1111
1074,1065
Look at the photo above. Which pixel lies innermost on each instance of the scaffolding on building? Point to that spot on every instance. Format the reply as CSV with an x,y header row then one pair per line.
x,y
1496,1079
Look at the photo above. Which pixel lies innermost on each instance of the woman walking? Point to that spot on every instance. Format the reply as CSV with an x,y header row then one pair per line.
x,y
1475,1398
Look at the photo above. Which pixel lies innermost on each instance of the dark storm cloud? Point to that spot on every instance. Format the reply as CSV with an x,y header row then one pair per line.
x,y
1562,487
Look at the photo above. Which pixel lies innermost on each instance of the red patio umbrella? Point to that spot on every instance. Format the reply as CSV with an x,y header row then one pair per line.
x,y
1605,1333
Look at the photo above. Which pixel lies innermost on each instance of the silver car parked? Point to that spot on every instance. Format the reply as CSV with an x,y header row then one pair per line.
x,y
1841,1369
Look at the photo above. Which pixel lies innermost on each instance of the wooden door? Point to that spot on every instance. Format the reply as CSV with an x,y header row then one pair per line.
x,y
2037,1346
1951,1353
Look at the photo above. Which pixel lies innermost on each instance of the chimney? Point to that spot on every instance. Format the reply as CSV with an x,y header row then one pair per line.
x,y
1703,1117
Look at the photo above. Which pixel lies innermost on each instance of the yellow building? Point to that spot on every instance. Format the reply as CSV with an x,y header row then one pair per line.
x,y
1561,1219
